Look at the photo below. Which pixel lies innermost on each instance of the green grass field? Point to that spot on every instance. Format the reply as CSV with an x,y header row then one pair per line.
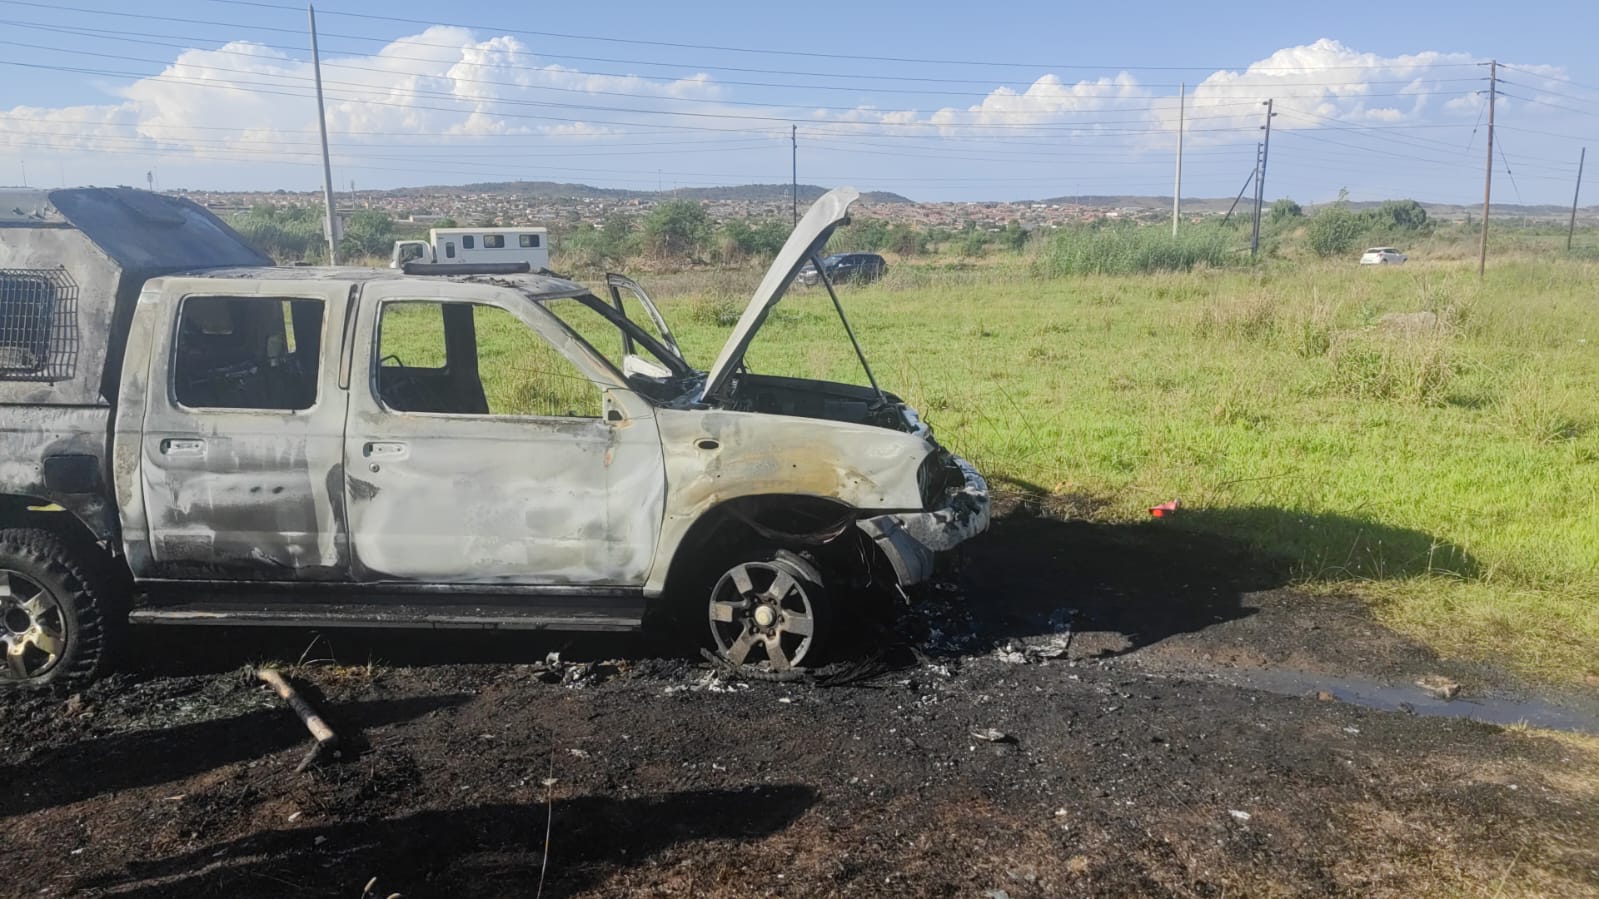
x,y
1449,473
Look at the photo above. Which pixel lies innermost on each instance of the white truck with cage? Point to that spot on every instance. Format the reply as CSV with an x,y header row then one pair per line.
x,y
476,246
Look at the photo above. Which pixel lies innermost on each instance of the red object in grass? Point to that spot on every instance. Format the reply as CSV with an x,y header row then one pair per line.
x,y
1166,510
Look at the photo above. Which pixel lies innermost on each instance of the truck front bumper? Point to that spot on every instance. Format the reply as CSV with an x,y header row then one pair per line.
x,y
911,540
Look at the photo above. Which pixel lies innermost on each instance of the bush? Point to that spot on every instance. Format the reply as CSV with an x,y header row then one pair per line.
x,y
1130,249
676,229
741,240
906,240
586,246
286,233
1334,231
1284,210
972,242
367,233
864,235
1406,215
1014,237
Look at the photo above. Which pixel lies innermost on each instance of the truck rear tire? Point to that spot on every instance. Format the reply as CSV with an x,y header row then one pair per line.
x,y
54,615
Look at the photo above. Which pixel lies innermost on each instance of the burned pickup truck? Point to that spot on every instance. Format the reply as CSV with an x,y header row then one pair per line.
x,y
191,435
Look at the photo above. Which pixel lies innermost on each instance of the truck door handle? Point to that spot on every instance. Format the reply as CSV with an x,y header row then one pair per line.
x,y
182,446
384,450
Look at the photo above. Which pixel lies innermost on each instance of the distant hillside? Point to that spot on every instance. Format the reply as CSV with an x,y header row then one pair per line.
x,y
1220,204
1460,210
555,190
1100,201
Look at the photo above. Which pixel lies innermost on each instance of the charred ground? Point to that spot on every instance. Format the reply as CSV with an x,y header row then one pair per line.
x,y
1127,764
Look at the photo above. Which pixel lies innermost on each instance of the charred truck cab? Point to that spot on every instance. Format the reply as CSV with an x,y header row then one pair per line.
x,y
191,435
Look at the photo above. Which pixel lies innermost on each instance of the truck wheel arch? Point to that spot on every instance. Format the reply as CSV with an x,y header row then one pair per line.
x,y
25,511
819,527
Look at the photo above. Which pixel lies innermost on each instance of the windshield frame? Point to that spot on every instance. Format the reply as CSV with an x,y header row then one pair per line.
x,y
627,328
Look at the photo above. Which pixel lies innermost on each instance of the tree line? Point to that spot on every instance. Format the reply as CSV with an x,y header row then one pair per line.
x,y
683,232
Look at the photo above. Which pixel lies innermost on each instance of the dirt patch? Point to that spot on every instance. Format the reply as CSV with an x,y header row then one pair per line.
x,y
1124,768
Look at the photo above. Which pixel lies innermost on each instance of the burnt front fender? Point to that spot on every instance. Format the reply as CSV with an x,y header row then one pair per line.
x,y
910,540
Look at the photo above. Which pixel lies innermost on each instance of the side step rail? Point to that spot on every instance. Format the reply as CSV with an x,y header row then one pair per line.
x,y
530,613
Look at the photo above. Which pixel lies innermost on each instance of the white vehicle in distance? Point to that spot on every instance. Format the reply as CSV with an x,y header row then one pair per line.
x,y
1383,256
476,246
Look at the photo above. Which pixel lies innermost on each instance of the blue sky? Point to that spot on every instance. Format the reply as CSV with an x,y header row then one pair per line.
x,y
934,101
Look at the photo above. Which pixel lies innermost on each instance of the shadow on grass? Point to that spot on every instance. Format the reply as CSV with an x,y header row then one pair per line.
x,y
487,850
1334,547
1152,580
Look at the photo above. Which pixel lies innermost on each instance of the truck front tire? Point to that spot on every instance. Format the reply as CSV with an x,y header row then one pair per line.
x,y
55,619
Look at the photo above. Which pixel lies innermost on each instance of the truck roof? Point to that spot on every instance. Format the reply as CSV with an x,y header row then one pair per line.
x,y
143,233
492,229
28,207
537,286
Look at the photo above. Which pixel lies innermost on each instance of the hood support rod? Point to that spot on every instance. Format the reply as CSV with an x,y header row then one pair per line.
x,y
821,272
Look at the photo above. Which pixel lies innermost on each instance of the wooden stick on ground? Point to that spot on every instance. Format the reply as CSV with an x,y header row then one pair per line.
x,y
327,742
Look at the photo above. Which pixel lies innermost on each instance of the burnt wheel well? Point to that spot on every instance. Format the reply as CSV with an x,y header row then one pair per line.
x,y
795,522
22,511
814,526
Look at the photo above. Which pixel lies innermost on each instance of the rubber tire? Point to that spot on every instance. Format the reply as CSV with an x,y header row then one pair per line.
x,y
73,578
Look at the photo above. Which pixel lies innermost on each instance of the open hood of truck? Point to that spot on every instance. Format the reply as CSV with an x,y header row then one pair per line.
x,y
807,239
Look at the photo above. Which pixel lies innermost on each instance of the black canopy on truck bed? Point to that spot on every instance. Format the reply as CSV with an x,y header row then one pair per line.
x,y
72,263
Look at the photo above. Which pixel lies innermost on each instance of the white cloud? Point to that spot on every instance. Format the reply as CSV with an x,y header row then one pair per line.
x,y
1324,80
1310,85
443,93
244,99
1046,100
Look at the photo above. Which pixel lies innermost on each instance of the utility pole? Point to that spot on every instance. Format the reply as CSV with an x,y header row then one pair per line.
x,y
1260,182
1254,208
327,166
793,140
1570,229
1488,175
1177,192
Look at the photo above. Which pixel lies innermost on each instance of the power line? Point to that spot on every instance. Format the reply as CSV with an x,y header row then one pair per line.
x,y
1573,109
1545,92
138,37
696,65
446,95
1549,77
812,54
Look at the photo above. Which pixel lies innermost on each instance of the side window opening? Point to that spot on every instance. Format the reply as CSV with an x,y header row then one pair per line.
x,y
38,325
528,241
494,241
247,353
467,242
462,358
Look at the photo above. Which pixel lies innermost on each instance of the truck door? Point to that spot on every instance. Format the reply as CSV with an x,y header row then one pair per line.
x,y
243,435
488,445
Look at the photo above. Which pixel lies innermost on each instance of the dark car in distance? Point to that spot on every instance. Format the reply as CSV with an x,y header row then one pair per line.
x,y
861,268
